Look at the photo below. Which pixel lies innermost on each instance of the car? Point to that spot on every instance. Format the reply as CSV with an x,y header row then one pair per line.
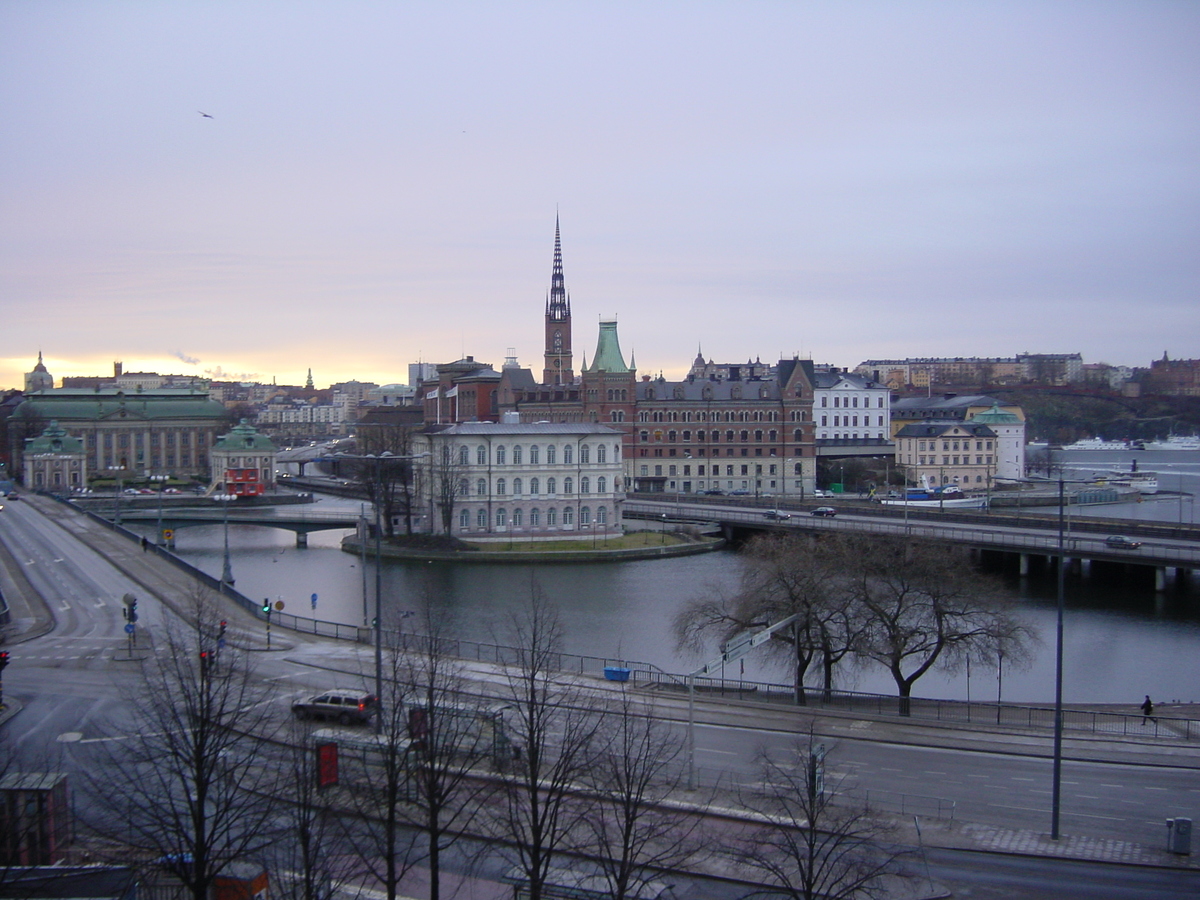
x,y
776,514
713,493
825,511
346,706
1120,542
170,490
131,491
13,495
739,493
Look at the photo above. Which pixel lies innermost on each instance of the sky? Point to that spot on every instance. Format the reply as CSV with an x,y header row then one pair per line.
x,y
376,183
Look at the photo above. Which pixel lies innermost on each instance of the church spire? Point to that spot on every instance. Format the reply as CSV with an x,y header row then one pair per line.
x,y
558,368
558,304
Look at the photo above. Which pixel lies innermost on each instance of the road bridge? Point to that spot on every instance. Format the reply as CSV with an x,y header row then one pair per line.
x,y
302,523
1169,550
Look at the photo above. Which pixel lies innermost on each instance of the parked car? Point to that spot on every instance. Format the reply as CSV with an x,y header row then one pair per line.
x,y
346,706
776,514
1120,542
13,495
739,493
827,511
714,493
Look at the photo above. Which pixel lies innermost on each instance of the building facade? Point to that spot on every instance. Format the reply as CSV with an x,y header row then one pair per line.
x,y
55,461
488,481
243,462
942,453
851,409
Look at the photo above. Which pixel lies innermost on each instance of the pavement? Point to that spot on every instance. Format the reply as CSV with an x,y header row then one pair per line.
x,y
31,618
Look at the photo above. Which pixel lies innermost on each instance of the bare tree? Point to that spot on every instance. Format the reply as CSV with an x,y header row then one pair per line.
x,y
390,479
446,484
812,846
632,773
186,783
923,604
541,812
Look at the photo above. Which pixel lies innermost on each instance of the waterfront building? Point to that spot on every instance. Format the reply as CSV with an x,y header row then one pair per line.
x,y
136,434
54,461
941,453
849,408
512,481
243,462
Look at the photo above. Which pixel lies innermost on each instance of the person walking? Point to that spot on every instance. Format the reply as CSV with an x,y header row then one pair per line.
x,y
1148,710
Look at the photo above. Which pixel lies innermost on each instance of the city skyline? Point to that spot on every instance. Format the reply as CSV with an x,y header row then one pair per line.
x,y
250,193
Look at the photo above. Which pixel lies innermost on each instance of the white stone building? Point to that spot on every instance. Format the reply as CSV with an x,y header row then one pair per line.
x,y
491,481
851,409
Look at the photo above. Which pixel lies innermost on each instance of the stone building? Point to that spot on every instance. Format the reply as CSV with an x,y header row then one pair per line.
x,y
243,462
54,461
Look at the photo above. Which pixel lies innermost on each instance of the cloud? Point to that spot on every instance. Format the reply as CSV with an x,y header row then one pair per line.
x,y
221,375
190,360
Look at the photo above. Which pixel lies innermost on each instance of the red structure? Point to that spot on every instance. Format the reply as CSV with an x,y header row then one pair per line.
x,y
35,818
244,483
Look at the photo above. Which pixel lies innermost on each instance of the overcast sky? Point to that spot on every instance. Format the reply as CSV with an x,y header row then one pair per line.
x,y
378,182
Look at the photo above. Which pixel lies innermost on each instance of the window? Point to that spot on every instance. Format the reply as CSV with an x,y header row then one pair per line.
x,y
567,455
464,456
585,485
533,455
533,486
516,456
501,518
601,485
550,456
464,518
551,485
618,415
517,518
517,486
481,456
464,487
535,518
585,516
585,455
551,518
481,518
481,487
602,454
602,515
568,516
501,486
568,485
501,455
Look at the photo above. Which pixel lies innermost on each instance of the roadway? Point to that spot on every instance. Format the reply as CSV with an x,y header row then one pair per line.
x,y
75,689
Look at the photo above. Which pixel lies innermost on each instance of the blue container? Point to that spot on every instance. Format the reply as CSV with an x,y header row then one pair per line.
x,y
616,673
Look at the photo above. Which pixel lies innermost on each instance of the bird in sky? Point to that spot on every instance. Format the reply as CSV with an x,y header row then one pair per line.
x,y
206,115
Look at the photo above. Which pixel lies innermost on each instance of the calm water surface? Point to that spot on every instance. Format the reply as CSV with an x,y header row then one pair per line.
x,y
1119,642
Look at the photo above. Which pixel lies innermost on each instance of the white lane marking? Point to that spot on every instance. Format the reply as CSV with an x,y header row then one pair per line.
x,y
100,604
65,606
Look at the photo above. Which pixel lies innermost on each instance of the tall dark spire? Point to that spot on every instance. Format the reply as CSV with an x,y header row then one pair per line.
x,y
558,304
558,368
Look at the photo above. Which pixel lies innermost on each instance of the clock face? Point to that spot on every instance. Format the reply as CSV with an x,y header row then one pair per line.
x,y
558,363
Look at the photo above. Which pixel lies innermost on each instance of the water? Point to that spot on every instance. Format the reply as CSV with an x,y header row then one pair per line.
x,y
1119,643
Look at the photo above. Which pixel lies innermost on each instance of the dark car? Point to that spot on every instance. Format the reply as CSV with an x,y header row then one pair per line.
x,y
1120,542
714,493
13,495
739,493
824,511
346,706
776,514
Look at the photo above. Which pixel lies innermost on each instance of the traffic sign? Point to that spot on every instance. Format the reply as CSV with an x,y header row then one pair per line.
x,y
279,606
314,601
130,628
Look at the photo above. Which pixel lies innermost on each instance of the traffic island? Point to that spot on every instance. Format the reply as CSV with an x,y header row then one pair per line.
x,y
633,546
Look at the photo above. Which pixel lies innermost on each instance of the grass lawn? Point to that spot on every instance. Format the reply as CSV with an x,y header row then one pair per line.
x,y
625,542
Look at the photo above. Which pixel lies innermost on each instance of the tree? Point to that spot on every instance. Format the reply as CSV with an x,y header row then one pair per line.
x,y
390,479
632,772
922,604
540,812
446,464
812,846
187,784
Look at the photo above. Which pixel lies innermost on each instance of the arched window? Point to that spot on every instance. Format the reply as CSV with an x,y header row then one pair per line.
x,y
550,457
464,456
585,455
501,518
798,435
618,415
481,518
517,518
601,454
568,485
501,455
602,515
533,486
601,485
567,455
643,416
501,487
758,435
481,487
773,435
745,435
585,516
551,518
517,455
551,485
671,437
568,516
481,455
729,436
464,518
585,485
464,487
535,518
517,486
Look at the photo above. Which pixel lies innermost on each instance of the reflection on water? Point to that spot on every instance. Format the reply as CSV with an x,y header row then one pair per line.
x,y
1118,644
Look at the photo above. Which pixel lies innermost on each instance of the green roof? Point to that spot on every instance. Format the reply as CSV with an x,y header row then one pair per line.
x,y
608,356
996,416
81,404
53,440
245,436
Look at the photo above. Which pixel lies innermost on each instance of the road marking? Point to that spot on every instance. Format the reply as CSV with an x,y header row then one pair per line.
x,y
1085,797
935,773
1023,778
65,606
1115,787
969,775
1035,791
1148,788
100,603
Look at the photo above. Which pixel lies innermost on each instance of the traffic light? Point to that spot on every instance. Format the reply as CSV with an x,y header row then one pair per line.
x,y
133,610
205,662
266,607
224,625
3,659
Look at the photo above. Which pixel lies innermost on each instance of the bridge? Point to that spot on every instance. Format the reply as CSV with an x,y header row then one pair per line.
x,y
1170,550
302,523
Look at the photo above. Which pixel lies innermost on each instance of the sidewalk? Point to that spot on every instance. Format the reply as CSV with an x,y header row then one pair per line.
x,y
31,619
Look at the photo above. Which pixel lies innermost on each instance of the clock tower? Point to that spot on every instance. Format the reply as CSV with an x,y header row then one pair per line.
x,y
558,323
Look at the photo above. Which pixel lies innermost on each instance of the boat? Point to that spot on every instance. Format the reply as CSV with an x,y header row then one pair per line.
x,y
1175,442
1145,482
1097,444
948,496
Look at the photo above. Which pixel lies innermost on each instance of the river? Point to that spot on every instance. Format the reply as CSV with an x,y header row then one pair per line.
x,y
1120,642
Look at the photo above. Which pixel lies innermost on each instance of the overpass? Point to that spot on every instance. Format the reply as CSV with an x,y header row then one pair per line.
x,y
302,523
1168,549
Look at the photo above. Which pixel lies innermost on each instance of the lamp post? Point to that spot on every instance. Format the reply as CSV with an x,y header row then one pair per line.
x,y
117,473
161,479
227,568
1056,799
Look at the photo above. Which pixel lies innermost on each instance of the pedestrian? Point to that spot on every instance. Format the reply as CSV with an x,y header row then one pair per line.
x,y
145,543
1148,710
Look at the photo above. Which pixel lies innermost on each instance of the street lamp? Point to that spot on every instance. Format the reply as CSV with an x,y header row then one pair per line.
x,y
227,568
161,479
118,473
